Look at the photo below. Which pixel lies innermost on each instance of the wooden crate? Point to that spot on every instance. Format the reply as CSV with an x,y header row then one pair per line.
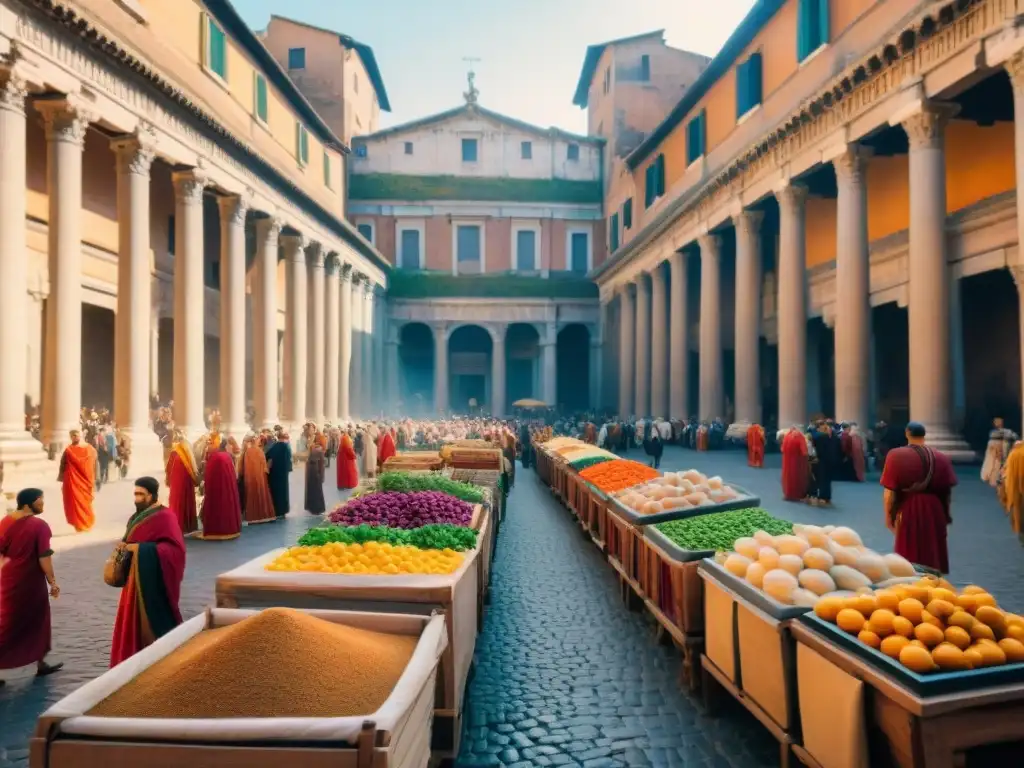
x,y
455,595
623,549
396,736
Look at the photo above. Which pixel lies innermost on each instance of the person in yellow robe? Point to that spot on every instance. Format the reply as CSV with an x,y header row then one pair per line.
x,y
1011,489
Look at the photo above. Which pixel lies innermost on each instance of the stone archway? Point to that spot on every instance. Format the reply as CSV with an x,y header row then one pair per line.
x,y
522,363
416,368
573,367
469,369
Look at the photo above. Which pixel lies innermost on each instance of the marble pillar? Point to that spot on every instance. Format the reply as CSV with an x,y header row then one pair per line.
x,y
345,344
792,306
368,384
134,157
550,363
66,124
679,340
440,369
34,330
498,385
957,373
1015,68
712,391
659,345
356,409
332,322
296,328
747,324
317,342
642,350
154,353
20,453
853,294
627,337
265,366
380,336
189,303
596,371
928,289
233,210
394,373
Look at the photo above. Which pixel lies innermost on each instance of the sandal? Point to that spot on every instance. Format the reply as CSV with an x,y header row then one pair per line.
x,y
49,669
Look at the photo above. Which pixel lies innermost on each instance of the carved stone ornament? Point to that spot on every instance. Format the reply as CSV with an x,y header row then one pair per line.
x,y
316,255
850,165
928,127
332,262
13,92
64,120
189,185
294,247
269,229
710,246
234,208
748,222
346,272
135,154
792,197
1015,66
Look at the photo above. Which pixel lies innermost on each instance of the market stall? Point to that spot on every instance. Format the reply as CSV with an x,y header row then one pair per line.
x,y
181,702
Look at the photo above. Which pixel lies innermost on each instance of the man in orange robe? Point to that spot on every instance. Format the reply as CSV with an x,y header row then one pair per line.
x,y
795,466
182,481
78,476
385,448
348,473
755,445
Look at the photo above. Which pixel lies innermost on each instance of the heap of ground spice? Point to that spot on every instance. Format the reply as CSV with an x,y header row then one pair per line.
x,y
278,663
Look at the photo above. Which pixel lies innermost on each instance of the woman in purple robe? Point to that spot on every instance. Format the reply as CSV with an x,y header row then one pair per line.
x,y
26,585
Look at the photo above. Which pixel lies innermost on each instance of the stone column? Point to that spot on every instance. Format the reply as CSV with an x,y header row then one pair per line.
x,y
332,322
34,330
747,331
498,385
316,350
956,368
345,343
642,347
853,294
440,368
627,336
368,384
712,394
65,125
296,327
134,157
596,370
792,306
679,340
1015,66
233,210
265,368
928,302
659,345
154,353
18,449
356,370
550,345
394,372
189,302
380,336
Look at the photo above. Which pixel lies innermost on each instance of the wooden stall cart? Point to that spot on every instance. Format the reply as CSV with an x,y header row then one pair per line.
x,y
623,547
456,596
856,715
395,736
542,463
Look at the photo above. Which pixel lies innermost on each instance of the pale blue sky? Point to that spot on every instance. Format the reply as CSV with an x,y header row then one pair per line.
x,y
531,51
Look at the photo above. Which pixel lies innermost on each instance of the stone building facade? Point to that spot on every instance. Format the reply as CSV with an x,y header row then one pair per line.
x,y
171,205
828,222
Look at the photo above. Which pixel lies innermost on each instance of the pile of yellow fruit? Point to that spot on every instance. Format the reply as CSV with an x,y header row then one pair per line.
x,y
928,626
371,558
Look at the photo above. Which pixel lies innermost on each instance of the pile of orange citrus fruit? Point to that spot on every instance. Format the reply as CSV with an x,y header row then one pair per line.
x,y
371,558
930,626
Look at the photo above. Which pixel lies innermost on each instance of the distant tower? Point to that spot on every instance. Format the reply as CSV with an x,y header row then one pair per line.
x,y
472,94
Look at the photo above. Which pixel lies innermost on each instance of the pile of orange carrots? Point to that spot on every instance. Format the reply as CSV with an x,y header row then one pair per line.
x,y
613,476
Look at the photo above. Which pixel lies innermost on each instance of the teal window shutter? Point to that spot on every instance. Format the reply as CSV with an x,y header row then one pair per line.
x,y
627,214
217,44
327,169
648,186
755,80
305,146
823,23
261,98
803,29
659,176
613,232
742,89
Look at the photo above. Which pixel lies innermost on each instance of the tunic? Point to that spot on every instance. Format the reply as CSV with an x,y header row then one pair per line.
x,y
315,470
24,595
279,463
222,509
78,478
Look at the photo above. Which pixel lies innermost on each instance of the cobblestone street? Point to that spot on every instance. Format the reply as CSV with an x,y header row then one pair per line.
x,y
564,674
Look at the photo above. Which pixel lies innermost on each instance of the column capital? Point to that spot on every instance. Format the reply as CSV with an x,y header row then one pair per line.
x,y
791,197
345,270
65,118
332,263
850,165
710,246
13,92
189,184
498,332
269,227
233,208
1015,67
677,260
927,128
368,287
747,221
316,255
135,152
294,246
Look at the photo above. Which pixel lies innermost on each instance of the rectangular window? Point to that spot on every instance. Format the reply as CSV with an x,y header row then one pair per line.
x,y
360,150
748,85
301,144
654,181
296,58
572,154
526,150
216,49
261,103
695,136
627,214
579,244
526,250
812,28
467,243
410,255
327,170
408,147
469,154
366,230
613,233
645,68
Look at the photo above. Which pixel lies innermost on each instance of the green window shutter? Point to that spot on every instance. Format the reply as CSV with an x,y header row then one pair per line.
x,y
301,143
613,233
262,111
217,48
702,132
803,29
627,214
755,80
327,169
823,23
659,176
649,186
742,97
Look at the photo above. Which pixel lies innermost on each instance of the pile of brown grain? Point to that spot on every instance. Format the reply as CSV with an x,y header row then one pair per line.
x,y
278,663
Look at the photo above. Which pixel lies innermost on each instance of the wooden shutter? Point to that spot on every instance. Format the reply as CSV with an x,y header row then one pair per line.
x,y
659,176
823,24
742,89
803,29
755,80
627,214
613,232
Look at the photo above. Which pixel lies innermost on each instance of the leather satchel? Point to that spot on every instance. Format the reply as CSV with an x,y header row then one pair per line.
x,y
117,567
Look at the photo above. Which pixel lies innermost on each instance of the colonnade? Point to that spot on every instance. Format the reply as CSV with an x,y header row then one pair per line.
x,y
644,322
328,310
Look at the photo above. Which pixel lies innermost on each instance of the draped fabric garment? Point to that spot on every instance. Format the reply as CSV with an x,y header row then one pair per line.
x,y
78,485
24,594
222,508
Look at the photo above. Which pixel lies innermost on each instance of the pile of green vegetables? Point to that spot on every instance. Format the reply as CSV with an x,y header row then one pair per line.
x,y
719,530
410,482
588,461
439,536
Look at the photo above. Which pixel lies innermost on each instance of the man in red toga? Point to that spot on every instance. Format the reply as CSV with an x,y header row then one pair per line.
x,y
918,483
